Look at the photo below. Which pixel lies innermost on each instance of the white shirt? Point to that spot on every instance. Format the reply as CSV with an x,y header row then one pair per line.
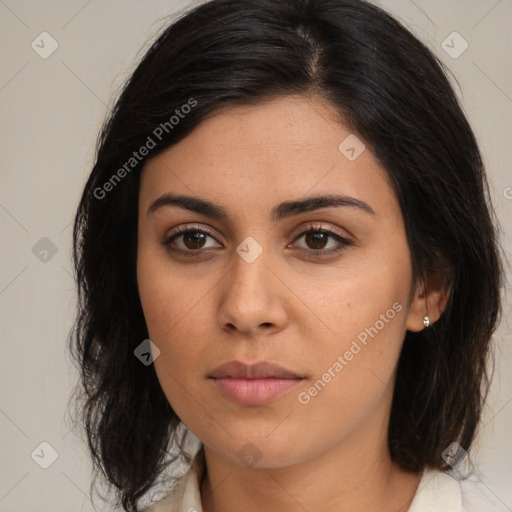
x,y
437,492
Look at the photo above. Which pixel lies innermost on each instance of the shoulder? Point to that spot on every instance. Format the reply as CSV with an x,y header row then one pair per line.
x,y
478,497
447,492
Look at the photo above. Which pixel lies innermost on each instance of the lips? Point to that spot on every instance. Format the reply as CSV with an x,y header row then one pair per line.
x,y
263,370
255,384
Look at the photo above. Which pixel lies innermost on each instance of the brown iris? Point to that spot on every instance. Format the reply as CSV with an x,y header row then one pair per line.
x,y
316,240
194,239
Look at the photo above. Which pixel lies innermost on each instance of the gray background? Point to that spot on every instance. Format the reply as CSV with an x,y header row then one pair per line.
x,y
51,111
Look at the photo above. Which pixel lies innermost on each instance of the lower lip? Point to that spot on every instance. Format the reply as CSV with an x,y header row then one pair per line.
x,y
253,391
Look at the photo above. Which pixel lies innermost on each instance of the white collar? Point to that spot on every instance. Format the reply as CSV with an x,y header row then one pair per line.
x,y
437,491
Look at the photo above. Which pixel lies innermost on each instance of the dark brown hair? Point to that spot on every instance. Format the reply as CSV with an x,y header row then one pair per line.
x,y
391,91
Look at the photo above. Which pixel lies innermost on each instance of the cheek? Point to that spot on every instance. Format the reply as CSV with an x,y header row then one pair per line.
x,y
355,348
171,309
172,328
354,373
357,305
168,298
364,338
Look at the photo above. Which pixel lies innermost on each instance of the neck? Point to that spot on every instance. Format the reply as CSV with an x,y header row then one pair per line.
x,y
357,475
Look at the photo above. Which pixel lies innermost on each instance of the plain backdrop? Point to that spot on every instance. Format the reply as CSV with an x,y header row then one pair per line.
x,y
52,107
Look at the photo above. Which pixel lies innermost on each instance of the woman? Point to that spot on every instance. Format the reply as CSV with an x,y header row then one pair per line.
x,y
286,245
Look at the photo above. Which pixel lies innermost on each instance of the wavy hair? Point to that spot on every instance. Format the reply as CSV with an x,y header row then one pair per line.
x,y
394,93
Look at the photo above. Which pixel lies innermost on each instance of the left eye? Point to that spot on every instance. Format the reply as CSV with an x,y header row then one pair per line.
x,y
317,240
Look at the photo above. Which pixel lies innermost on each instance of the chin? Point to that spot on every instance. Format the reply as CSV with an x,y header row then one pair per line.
x,y
260,450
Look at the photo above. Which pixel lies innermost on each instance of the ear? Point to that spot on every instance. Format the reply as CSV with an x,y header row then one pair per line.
x,y
431,295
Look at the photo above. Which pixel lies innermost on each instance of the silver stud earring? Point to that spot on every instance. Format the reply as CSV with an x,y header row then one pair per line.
x,y
426,320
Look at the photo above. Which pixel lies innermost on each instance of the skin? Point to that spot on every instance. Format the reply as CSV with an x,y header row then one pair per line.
x,y
289,307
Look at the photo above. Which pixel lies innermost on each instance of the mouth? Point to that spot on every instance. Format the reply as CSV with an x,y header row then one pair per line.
x,y
255,384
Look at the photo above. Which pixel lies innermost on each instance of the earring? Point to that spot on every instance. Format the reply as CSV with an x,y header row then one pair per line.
x,y
426,319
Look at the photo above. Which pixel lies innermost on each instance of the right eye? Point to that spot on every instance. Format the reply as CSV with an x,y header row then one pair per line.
x,y
189,241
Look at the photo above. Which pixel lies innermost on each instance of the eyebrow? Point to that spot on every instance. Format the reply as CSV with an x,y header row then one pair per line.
x,y
279,212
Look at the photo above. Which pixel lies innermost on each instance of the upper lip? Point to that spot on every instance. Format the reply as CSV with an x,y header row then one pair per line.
x,y
262,370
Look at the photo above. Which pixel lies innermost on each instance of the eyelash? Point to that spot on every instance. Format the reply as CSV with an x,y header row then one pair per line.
x,y
344,242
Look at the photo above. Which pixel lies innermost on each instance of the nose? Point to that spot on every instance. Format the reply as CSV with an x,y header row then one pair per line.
x,y
253,300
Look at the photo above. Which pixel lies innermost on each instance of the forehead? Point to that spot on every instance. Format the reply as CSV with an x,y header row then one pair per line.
x,y
282,149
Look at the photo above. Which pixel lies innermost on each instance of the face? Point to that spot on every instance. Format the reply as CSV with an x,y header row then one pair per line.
x,y
247,281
